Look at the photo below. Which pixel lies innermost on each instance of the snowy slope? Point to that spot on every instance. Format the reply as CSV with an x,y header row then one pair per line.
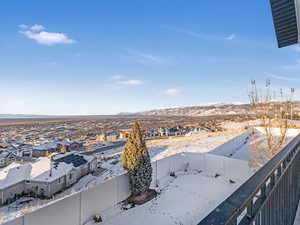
x,y
237,148
197,143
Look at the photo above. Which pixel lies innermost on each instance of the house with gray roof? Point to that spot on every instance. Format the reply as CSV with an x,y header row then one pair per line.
x,y
45,177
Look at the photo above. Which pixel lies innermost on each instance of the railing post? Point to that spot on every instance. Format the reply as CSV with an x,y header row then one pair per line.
x,y
279,171
272,180
250,210
263,193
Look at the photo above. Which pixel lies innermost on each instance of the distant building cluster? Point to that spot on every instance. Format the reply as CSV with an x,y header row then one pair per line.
x,y
174,131
53,147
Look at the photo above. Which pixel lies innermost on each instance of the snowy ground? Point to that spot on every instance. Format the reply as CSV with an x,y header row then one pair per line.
x,y
111,152
236,144
161,149
197,143
201,192
185,200
239,125
238,147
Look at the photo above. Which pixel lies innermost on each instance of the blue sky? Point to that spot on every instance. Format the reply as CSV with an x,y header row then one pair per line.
x,y
105,57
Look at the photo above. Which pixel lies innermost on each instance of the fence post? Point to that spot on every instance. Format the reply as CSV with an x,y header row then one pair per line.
x,y
80,209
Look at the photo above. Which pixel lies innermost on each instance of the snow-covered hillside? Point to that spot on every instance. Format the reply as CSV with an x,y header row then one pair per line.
x,y
201,110
233,108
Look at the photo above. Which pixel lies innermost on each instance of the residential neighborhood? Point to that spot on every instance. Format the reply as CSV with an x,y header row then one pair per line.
x,y
41,159
24,142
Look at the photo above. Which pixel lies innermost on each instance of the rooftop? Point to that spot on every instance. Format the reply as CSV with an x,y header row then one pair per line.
x,y
40,170
286,21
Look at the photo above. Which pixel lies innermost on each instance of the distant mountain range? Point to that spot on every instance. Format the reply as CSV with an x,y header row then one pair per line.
x,y
206,110
201,110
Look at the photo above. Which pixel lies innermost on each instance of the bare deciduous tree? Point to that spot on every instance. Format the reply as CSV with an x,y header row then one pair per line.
x,y
272,113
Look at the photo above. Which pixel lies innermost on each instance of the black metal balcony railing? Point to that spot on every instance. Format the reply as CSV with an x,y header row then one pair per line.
x,y
269,197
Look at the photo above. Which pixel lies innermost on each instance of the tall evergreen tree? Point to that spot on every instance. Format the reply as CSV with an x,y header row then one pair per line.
x,y
136,159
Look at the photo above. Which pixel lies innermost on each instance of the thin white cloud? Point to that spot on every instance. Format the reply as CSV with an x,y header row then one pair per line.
x,y
200,35
37,33
37,27
172,91
231,37
285,78
146,58
189,32
121,80
131,82
117,77
192,33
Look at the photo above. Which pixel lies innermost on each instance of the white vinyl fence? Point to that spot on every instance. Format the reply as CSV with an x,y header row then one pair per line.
x,y
79,208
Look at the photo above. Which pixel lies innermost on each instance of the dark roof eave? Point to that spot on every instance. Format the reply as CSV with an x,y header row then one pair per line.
x,y
285,22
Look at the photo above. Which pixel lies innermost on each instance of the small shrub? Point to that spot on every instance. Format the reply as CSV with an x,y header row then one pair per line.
x,y
97,219
172,174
